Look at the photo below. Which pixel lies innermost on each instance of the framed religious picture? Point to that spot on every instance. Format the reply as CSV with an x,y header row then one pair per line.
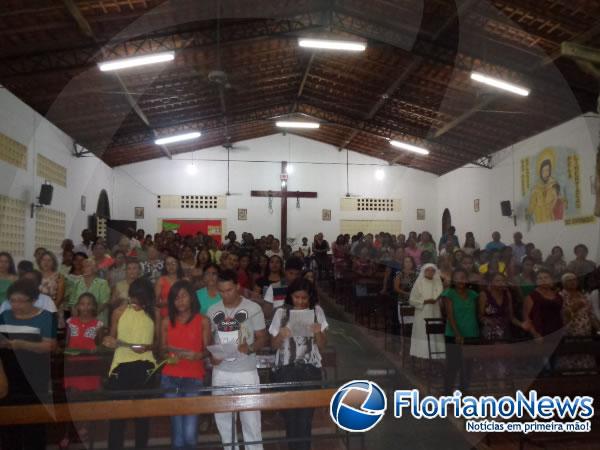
x,y
242,214
476,205
138,212
420,214
326,215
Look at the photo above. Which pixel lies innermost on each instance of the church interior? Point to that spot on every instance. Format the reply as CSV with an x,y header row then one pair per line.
x,y
234,223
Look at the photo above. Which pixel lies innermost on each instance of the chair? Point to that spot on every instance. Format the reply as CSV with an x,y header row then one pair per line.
x,y
433,327
329,361
406,314
365,293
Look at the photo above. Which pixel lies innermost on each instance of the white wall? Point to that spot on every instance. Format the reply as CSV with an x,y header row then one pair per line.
x,y
318,167
85,176
457,190
138,184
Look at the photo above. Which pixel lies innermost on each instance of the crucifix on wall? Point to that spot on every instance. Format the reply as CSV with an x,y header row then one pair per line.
x,y
284,194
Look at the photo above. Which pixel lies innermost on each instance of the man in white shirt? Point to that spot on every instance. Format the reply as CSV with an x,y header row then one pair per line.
x,y
86,244
236,319
275,295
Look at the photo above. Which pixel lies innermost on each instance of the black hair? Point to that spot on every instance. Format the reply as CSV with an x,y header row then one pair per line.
x,y
25,266
212,265
92,297
143,291
11,263
491,275
581,246
180,273
26,287
544,270
294,263
174,292
302,284
228,275
456,271
268,270
83,255
37,274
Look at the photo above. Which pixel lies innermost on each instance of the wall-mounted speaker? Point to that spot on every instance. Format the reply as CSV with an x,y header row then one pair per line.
x,y
45,197
506,208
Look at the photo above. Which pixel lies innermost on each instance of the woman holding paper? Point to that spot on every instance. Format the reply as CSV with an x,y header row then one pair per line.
x,y
298,334
184,335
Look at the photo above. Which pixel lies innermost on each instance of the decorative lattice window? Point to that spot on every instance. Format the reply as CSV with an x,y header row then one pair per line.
x,y
12,225
101,227
49,229
370,204
13,152
191,201
51,171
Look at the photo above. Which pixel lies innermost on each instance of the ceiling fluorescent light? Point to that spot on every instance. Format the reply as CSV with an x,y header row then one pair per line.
x,y
410,148
326,44
135,61
178,138
292,124
495,82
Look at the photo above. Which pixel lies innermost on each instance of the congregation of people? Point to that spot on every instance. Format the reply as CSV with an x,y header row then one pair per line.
x,y
488,293
163,301
160,303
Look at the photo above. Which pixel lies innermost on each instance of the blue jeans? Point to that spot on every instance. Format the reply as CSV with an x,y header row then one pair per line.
x,y
184,429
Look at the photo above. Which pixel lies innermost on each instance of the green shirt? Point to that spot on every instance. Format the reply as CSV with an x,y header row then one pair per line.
x,y
465,313
205,300
99,288
4,285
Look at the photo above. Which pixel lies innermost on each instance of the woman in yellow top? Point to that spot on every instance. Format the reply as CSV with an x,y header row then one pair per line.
x,y
132,335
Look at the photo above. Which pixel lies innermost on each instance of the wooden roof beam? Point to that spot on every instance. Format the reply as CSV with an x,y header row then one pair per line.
x,y
303,82
408,71
86,29
487,100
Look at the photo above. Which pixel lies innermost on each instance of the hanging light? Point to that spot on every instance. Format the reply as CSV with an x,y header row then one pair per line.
x,y
410,147
178,138
191,169
328,44
500,84
296,124
126,63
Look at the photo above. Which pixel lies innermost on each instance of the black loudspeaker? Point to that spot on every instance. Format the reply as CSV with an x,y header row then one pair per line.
x,y
506,208
45,197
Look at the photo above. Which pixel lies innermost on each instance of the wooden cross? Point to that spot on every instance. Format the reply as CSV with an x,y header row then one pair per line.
x,y
284,194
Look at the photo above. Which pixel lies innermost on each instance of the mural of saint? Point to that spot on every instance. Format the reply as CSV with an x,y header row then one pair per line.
x,y
546,203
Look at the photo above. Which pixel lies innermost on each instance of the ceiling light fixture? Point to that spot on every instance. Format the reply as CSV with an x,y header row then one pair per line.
x,y
178,138
500,84
191,169
379,174
136,61
410,147
293,124
289,169
327,44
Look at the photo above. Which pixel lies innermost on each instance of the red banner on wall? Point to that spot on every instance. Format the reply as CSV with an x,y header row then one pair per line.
x,y
187,227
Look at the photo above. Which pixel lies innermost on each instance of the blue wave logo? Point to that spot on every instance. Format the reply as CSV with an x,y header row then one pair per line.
x,y
358,405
